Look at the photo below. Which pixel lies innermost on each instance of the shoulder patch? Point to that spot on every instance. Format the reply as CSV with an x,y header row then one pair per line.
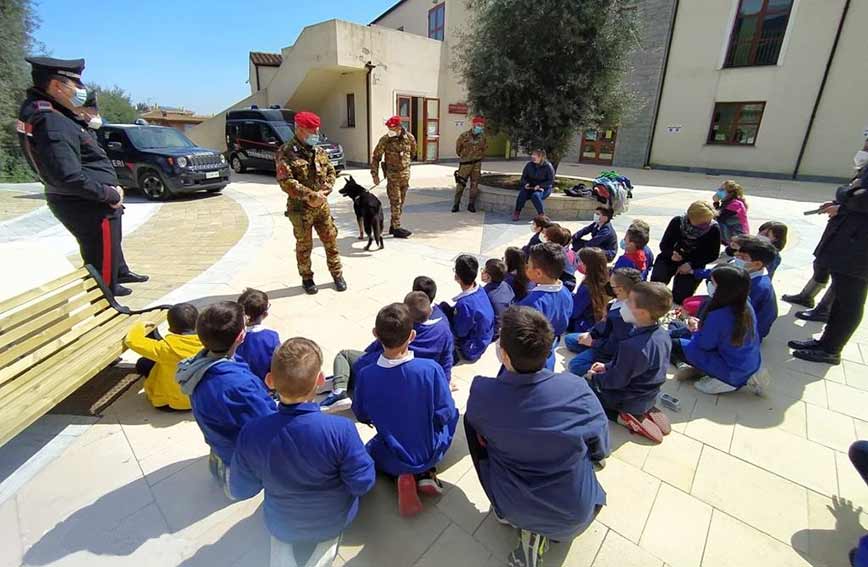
x,y
42,106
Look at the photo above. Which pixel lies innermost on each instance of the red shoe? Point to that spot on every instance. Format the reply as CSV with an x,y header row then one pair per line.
x,y
408,499
646,428
428,484
661,420
516,215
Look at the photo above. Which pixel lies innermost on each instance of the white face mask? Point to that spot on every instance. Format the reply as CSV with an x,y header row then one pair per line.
x,y
627,314
392,133
710,285
597,218
95,123
860,159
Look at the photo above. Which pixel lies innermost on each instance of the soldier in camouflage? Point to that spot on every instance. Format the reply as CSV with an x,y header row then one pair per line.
x,y
398,146
307,177
470,147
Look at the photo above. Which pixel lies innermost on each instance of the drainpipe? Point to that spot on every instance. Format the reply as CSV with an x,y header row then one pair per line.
x,y
370,67
822,88
662,82
257,77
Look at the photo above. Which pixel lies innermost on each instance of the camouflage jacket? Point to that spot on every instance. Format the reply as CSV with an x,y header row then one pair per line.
x,y
470,147
303,173
398,150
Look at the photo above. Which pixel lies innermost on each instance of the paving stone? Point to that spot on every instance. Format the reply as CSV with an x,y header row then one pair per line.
x,y
732,543
680,519
621,552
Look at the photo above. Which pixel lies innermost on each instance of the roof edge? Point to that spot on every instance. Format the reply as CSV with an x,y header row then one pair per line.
x,y
387,12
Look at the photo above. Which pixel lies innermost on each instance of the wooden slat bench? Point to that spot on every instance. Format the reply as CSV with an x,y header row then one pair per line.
x,y
53,339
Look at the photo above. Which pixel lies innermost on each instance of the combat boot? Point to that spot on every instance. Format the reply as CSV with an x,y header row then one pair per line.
x,y
457,203
821,312
309,286
340,283
807,295
471,207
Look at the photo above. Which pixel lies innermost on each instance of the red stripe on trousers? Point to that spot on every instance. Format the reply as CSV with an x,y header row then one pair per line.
x,y
106,252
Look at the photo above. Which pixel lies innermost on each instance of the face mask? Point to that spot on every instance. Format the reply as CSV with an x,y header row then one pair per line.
x,y
860,159
478,130
627,314
711,287
392,133
739,263
597,218
721,194
623,244
95,123
312,140
78,97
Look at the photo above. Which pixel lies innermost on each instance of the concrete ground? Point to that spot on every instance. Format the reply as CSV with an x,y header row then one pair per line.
x,y
742,481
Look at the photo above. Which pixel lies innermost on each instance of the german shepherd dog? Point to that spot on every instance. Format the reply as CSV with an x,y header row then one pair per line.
x,y
369,211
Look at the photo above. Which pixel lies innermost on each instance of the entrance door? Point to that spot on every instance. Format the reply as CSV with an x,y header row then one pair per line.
x,y
432,129
598,146
408,113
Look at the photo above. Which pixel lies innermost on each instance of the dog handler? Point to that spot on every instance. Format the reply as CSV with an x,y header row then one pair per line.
x,y
399,146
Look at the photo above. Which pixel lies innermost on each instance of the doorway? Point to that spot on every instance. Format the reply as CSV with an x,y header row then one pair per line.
x,y
421,117
598,146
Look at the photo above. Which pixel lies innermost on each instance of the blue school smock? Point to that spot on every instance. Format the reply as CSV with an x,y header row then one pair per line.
x,y
649,257
625,262
764,302
258,348
773,266
542,432
313,467
633,378
607,333
534,240
555,302
473,323
433,341
603,237
582,316
409,403
501,297
710,349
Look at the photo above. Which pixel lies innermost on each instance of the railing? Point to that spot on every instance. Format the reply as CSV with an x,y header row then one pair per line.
x,y
752,51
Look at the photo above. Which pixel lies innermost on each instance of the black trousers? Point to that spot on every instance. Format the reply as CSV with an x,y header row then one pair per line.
x,y
821,273
846,313
97,228
665,271
859,457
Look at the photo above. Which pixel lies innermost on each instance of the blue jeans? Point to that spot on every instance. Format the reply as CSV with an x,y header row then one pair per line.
x,y
581,363
536,197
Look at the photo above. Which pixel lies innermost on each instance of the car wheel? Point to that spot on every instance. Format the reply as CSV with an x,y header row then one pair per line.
x,y
238,165
153,187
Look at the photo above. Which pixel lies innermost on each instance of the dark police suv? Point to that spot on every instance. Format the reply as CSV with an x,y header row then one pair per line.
x,y
253,135
161,161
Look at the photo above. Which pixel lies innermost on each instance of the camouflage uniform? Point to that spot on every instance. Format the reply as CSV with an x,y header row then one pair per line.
x,y
398,151
305,173
470,149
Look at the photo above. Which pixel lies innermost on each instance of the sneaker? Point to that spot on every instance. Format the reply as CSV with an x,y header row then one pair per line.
x,y
599,465
687,372
661,420
713,386
428,484
530,550
641,426
758,383
309,286
408,499
336,402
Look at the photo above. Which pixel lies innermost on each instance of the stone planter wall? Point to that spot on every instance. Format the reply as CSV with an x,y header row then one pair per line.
x,y
558,207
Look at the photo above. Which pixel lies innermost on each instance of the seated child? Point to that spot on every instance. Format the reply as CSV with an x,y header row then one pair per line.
x,y
537,225
590,300
429,287
499,292
628,385
602,233
407,400
646,228
259,343
635,242
724,348
224,393
516,272
306,507
472,316
601,343
550,297
754,254
161,355
557,234
776,232
534,437
731,207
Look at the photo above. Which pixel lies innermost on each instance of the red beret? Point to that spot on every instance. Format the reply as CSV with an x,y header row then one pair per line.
x,y
307,120
478,120
393,122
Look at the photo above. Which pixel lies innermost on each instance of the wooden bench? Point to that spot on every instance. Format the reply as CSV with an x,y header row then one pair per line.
x,y
56,337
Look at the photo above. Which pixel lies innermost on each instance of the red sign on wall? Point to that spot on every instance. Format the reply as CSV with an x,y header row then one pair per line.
x,y
458,108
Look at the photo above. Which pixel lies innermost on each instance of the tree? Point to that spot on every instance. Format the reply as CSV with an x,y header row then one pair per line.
x,y
115,105
538,70
18,23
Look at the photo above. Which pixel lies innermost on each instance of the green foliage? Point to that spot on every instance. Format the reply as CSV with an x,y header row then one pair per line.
x,y
115,105
541,69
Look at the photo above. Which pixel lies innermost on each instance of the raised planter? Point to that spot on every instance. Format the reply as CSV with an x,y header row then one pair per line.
x,y
557,207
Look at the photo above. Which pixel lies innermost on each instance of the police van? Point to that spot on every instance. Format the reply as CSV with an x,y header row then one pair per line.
x,y
253,136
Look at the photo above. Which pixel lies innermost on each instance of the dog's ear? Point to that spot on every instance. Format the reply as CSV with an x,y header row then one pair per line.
x,y
351,179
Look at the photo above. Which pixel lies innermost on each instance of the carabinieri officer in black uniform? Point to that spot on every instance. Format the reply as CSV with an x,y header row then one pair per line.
x,y
81,186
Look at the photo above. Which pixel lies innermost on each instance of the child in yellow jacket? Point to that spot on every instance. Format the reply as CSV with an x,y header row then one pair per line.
x,y
161,355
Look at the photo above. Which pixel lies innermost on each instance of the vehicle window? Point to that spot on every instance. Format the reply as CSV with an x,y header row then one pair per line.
x,y
284,131
249,131
159,138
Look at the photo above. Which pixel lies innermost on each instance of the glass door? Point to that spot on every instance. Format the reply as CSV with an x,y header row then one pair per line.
x,y
405,104
598,146
432,129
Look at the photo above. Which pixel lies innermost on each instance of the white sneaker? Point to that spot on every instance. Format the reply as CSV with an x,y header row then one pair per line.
x,y
709,385
758,383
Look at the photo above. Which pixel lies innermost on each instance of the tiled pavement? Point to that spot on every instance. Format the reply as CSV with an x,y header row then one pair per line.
x,y
19,199
742,481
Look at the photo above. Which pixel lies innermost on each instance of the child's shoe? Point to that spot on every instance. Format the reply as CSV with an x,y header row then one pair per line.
x,y
530,550
758,383
335,402
428,484
641,426
661,420
712,386
408,499
327,386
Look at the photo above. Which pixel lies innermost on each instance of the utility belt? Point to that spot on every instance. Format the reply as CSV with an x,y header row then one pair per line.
x,y
471,162
463,180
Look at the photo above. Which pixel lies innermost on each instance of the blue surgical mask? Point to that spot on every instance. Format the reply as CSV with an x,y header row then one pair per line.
x,y
478,130
79,97
627,314
597,218
720,194
710,285
623,244
312,140
738,263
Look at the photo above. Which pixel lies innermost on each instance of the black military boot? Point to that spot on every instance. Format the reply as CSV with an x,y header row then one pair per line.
x,y
309,286
821,312
471,207
807,295
340,283
455,208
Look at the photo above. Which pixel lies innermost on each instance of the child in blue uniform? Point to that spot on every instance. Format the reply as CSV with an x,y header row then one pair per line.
x,y
407,400
499,292
635,243
754,254
224,393
537,226
777,233
646,228
259,343
534,437
306,507
594,293
602,234
628,385
724,348
549,296
601,343
472,316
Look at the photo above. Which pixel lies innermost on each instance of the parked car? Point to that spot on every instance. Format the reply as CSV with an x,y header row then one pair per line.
x,y
161,161
253,135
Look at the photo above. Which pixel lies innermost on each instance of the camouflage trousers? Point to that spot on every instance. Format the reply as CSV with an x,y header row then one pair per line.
x,y
467,172
396,188
304,222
